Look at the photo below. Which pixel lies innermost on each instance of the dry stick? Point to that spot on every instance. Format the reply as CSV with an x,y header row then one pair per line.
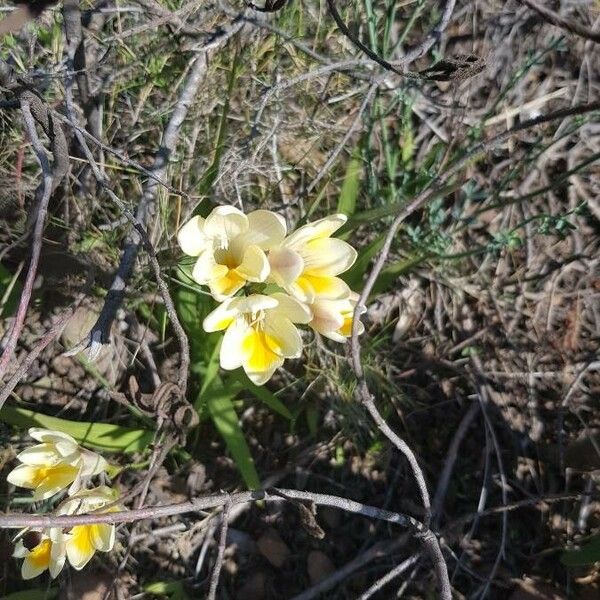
x,y
100,332
11,521
482,395
383,549
403,566
214,580
451,456
44,192
363,392
430,39
184,361
563,22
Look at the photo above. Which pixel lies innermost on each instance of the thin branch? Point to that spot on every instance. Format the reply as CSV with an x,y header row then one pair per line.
x,y
214,580
10,521
44,191
562,22
395,572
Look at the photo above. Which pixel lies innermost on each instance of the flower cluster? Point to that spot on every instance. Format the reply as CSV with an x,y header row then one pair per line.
x,y
57,463
269,282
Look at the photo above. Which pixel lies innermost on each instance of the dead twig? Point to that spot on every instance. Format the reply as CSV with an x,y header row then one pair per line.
x,y
214,580
562,22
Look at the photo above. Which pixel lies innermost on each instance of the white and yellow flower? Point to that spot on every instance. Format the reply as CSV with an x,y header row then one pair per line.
x,y
230,247
83,541
333,318
41,552
260,332
55,464
308,261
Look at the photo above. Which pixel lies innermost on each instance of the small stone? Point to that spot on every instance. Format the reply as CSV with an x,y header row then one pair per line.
x,y
319,566
273,548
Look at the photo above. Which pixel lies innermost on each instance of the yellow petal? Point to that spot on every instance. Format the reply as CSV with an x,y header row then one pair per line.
x,y
225,222
282,337
260,360
330,288
206,268
37,561
220,318
45,480
254,266
80,546
327,257
191,237
323,228
227,285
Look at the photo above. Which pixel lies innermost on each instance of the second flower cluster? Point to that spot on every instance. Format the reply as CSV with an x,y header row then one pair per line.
x,y
268,282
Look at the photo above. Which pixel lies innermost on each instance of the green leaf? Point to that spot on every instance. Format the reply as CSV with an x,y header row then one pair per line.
x,y
100,436
586,555
262,393
355,275
351,185
390,274
218,399
10,292
34,594
173,589
210,175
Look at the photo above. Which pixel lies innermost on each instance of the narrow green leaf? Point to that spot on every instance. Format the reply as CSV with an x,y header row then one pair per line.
x,y
351,185
262,393
10,292
586,555
100,436
219,401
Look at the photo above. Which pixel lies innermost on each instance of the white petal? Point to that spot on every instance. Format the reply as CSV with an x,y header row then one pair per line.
x,y
283,336
92,463
221,317
265,229
20,551
206,269
286,266
191,237
231,356
327,316
254,266
254,303
103,537
58,557
225,222
23,476
294,310
323,228
49,435
328,257
40,454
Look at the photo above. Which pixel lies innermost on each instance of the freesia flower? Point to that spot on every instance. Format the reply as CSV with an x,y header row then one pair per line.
x,y
54,464
230,247
333,318
309,260
41,551
260,332
83,541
